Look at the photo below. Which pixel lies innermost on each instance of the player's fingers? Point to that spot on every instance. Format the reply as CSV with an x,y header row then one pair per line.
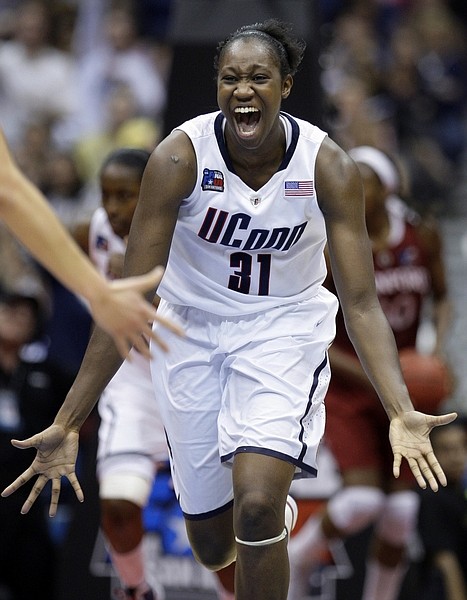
x,y
36,490
427,474
142,346
143,283
417,473
438,420
170,325
436,468
396,465
122,345
18,482
76,486
54,497
31,442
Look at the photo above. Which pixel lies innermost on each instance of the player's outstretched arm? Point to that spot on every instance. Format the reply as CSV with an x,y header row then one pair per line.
x,y
118,307
57,450
409,434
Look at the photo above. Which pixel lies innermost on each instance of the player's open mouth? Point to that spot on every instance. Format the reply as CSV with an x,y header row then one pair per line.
x,y
246,118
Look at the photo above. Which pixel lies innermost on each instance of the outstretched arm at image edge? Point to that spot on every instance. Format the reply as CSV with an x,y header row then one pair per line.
x,y
118,307
341,200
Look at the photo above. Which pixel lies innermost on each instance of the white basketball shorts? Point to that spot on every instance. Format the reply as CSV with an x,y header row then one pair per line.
x,y
251,383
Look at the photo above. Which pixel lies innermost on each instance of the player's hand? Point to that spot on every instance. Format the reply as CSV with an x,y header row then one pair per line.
x,y
409,435
127,316
56,455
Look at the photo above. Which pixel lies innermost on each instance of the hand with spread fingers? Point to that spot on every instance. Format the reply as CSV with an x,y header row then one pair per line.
x,y
57,450
409,437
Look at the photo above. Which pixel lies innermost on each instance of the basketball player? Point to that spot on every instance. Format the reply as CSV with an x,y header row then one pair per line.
x,y
131,435
240,204
409,271
117,307
132,442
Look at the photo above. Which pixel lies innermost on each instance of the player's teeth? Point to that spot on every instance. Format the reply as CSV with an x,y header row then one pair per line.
x,y
245,109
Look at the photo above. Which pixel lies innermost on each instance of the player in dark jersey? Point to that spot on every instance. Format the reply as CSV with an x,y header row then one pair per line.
x,y
409,271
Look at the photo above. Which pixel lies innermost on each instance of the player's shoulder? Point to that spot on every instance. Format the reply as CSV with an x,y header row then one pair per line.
x,y
337,175
201,125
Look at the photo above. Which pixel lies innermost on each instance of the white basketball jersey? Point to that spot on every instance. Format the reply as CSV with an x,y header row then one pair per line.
x,y
236,250
103,242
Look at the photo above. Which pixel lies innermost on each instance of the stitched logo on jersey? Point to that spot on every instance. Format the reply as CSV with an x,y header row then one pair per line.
x,y
234,230
102,243
212,180
298,188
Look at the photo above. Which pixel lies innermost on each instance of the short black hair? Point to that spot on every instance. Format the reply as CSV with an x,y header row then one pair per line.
x,y
134,158
279,36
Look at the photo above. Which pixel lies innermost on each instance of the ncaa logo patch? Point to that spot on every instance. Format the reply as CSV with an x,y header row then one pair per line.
x,y
102,243
213,180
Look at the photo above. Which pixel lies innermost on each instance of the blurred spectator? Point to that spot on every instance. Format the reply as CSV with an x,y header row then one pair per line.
x,y
358,118
122,126
16,264
112,54
442,67
65,190
352,82
31,390
37,81
443,520
426,83
32,151
395,77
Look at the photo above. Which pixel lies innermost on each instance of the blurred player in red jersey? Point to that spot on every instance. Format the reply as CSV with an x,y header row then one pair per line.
x,y
409,271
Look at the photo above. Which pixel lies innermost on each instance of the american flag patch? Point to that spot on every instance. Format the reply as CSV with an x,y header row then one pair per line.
x,y
298,188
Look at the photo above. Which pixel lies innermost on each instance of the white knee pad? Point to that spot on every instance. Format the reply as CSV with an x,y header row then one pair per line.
x,y
398,518
125,486
354,508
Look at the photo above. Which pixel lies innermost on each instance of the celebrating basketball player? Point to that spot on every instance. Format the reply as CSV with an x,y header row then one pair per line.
x,y
239,204
409,270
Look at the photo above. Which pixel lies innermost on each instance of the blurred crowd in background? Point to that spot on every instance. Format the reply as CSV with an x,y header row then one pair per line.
x,y
79,78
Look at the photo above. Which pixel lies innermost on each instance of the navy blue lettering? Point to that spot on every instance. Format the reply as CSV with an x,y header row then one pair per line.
x,y
240,221
256,239
221,227
296,234
207,224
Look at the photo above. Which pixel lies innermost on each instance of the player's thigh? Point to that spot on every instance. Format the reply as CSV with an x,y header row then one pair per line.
x,y
187,384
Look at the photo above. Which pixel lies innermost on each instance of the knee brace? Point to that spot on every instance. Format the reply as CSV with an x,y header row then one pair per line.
x,y
291,514
268,542
398,518
125,486
354,508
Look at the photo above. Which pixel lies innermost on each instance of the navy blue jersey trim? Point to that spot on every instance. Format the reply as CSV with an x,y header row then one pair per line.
x,y
293,142
209,514
307,471
219,132
314,385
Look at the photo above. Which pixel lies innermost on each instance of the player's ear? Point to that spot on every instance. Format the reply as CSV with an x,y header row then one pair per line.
x,y
287,86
